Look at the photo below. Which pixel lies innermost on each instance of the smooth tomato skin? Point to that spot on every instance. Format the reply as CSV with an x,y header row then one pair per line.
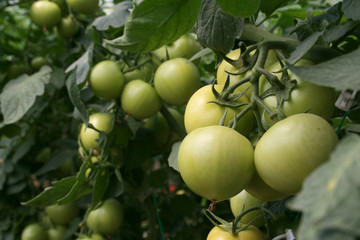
x,y
140,99
245,200
107,218
62,214
38,62
68,27
184,47
304,97
250,233
143,73
200,112
291,149
216,162
33,231
84,6
57,233
176,80
225,68
106,80
259,189
89,137
45,14
15,70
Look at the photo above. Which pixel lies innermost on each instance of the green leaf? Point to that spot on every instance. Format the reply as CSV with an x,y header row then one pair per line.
x,y
51,194
19,95
173,157
341,72
56,161
240,8
75,97
154,23
330,196
216,29
269,6
116,19
58,78
82,65
351,9
101,184
335,32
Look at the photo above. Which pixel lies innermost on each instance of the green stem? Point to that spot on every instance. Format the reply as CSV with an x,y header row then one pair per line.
x,y
180,131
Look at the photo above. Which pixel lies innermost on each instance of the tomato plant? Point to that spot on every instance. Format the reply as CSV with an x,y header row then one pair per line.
x,y
68,27
38,62
45,13
62,214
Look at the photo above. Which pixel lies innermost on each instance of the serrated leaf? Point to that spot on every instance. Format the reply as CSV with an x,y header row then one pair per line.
x,y
51,194
216,29
19,95
304,47
351,9
341,72
335,32
75,97
82,65
116,19
154,23
173,157
330,196
240,8
102,181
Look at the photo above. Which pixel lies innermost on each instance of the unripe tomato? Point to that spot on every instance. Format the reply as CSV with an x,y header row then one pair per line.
x,y
68,27
106,80
15,70
33,231
140,99
84,6
225,68
216,162
45,14
107,218
250,233
143,73
176,80
38,62
200,112
184,47
244,201
62,214
291,149
57,233
89,137
304,97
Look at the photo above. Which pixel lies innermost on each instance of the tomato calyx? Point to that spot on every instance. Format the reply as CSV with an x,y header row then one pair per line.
x,y
227,98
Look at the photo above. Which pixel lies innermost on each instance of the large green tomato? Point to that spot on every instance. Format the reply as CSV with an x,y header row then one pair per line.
x,y
57,233
259,189
140,99
102,122
250,233
107,218
216,162
68,27
184,47
200,112
84,6
176,80
34,231
45,14
106,80
38,62
291,149
62,214
244,201
225,68
304,97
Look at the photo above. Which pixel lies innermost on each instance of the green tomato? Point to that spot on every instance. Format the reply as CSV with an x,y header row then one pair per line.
x,y
45,14
107,218
143,73
33,231
250,233
291,149
57,233
62,214
304,97
106,80
89,137
92,237
184,47
176,80
84,6
244,201
140,99
43,155
38,62
68,27
15,70
200,112
243,8
216,162
259,189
